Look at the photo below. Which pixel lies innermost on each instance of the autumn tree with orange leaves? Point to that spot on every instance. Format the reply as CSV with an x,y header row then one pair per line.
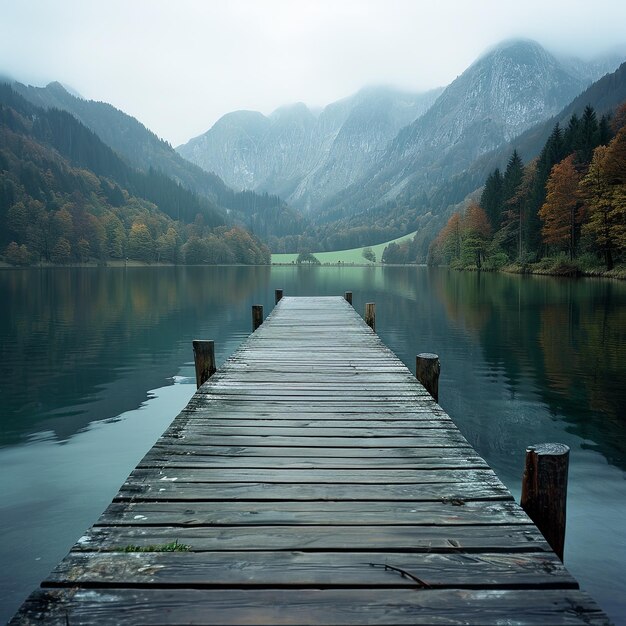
x,y
446,248
604,192
560,213
476,230
571,198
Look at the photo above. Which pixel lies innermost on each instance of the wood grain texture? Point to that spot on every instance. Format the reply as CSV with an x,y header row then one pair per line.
x,y
310,607
312,480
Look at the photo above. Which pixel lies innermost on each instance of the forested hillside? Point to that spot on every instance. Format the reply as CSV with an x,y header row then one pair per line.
x,y
263,213
67,197
380,164
563,211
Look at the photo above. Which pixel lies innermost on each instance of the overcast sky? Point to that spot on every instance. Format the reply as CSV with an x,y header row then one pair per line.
x,y
178,65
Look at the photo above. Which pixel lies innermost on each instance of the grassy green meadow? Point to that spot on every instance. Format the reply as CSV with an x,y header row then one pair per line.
x,y
355,255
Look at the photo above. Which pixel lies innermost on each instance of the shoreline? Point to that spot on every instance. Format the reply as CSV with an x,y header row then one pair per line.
x,y
618,273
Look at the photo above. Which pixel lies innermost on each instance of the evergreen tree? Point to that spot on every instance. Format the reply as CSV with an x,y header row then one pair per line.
x,y
491,198
512,177
572,136
589,135
604,131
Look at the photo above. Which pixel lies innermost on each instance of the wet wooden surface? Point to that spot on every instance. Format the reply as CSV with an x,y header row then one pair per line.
x,y
312,480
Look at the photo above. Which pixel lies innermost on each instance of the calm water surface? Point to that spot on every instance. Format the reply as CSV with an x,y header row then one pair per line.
x,y
95,363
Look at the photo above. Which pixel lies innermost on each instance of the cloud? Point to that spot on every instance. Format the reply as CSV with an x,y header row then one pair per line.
x,y
179,66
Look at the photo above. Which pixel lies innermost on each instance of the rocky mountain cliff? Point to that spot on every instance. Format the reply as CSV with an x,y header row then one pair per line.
x,y
305,158
383,150
508,90
140,148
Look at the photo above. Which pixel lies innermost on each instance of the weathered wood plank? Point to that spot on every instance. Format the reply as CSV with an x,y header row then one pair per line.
x,y
328,476
314,432
433,492
162,459
380,538
303,607
312,569
319,424
171,448
442,441
264,513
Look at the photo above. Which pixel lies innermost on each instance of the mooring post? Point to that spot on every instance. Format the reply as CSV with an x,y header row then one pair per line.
x,y
370,315
544,491
427,369
348,296
257,316
278,294
204,359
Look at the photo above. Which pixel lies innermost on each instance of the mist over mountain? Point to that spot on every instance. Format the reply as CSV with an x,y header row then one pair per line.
x,y
364,169
605,95
265,213
382,156
508,90
300,156
124,134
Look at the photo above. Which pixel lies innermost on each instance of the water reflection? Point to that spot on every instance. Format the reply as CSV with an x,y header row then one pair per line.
x,y
524,360
82,345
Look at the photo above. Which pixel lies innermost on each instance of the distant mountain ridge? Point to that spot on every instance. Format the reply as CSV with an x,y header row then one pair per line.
x,y
506,91
67,197
266,214
367,168
382,150
605,95
302,157
126,135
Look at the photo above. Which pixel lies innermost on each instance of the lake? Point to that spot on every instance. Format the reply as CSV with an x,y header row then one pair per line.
x,y
97,362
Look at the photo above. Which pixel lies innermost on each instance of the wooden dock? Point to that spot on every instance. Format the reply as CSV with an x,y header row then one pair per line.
x,y
311,480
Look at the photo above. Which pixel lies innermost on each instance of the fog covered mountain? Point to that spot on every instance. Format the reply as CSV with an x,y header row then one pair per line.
x,y
302,157
127,136
265,214
384,148
511,88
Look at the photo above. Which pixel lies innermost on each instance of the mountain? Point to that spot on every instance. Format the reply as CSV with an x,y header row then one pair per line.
x,y
506,91
605,95
303,157
383,157
593,69
143,150
510,89
65,196
126,135
59,133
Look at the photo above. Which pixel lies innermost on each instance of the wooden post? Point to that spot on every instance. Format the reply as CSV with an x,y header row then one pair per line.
x,y
370,315
278,294
544,491
427,368
257,316
348,296
204,358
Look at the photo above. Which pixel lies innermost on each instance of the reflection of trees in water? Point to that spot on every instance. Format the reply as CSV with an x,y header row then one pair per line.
x,y
65,331
569,337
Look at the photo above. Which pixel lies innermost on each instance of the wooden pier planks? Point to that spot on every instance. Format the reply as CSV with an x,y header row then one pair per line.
x,y
314,481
